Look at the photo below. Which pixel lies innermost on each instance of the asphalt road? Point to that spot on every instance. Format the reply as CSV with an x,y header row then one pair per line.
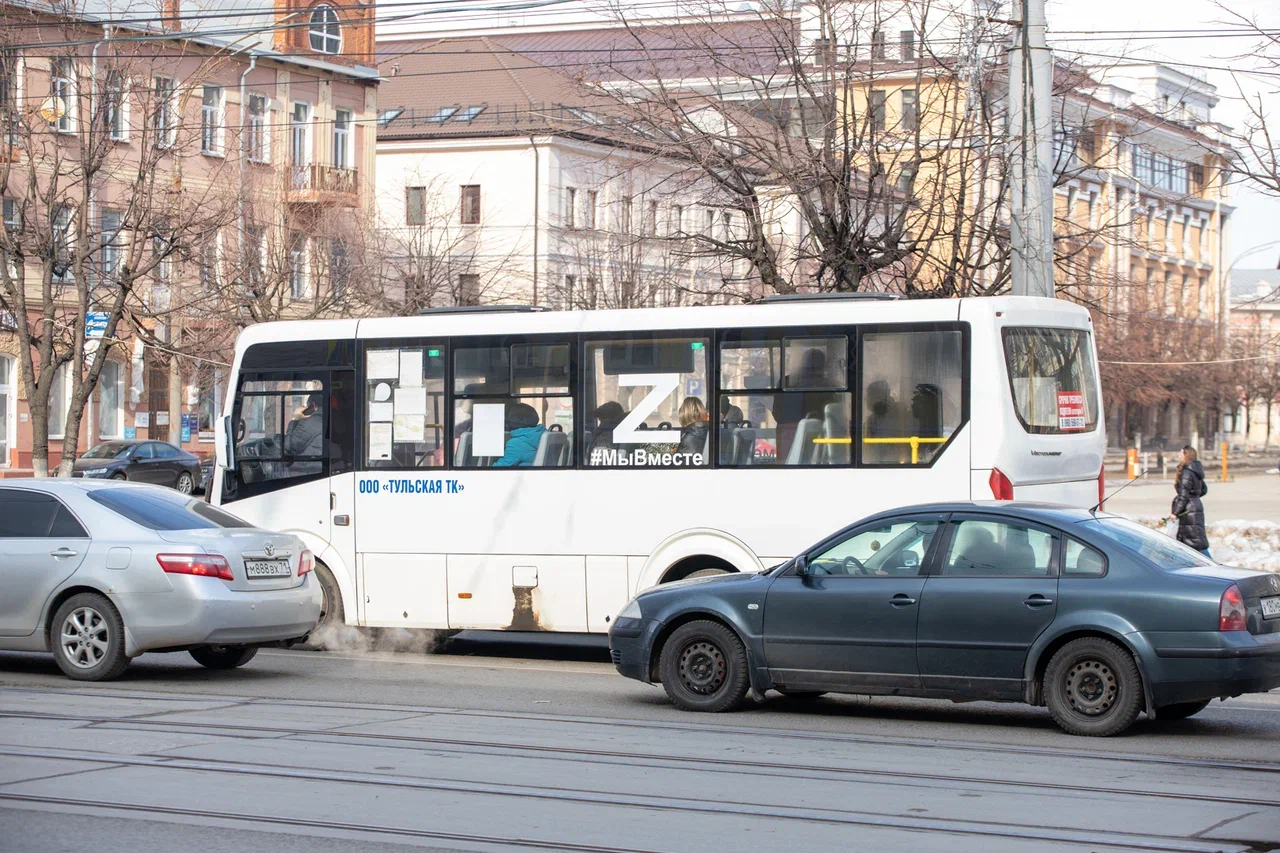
x,y
513,745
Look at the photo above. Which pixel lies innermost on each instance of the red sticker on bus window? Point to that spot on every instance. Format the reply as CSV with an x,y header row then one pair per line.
x,y
1070,410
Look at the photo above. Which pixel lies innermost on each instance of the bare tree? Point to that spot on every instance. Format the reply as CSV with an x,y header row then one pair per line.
x,y
92,222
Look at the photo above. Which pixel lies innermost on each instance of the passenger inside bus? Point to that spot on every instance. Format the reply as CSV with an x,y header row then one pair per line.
x,y
884,421
608,416
525,432
305,436
695,429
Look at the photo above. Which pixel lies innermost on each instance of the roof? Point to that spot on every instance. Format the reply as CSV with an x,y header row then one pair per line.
x,y
476,87
1255,285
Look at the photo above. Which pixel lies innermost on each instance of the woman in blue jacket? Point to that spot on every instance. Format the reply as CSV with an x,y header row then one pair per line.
x,y
526,433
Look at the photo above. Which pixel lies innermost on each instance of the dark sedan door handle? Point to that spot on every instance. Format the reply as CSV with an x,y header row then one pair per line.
x,y
902,600
1038,601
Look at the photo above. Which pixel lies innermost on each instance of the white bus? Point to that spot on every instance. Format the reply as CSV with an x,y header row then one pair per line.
x,y
506,468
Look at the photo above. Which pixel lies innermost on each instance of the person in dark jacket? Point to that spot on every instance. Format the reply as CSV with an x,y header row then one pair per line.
x,y
305,437
526,432
695,424
1187,508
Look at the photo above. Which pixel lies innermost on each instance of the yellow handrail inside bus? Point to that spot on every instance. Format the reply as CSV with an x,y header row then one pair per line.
x,y
914,440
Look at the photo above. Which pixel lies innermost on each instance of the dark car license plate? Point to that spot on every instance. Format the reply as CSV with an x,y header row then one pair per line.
x,y
267,568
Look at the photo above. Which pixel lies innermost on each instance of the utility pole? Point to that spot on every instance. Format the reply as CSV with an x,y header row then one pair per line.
x,y
1030,154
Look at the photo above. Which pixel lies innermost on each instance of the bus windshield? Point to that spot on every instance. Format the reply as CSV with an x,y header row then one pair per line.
x,y
1055,389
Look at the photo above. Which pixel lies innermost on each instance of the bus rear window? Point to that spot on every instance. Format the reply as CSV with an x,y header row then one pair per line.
x,y
1051,373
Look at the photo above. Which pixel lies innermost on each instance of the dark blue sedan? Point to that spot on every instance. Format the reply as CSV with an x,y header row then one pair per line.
x,y
1090,614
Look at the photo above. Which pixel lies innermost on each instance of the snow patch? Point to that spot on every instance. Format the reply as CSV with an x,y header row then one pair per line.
x,y
1237,542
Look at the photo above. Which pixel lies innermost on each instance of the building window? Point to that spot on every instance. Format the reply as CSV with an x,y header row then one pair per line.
x,y
110,222
339,269
165,127
326,36
570,285
209,402
877,44
298,283
209,263
651,219
624,215
907,45
415,206
907,178
708,222
726,225
62,237
114,107
256,142
877,109
255,257
570,207
1093,211
298,136
677,220
110,396
471,204
342,139
1167,293
8,116
62,92
593,198
1204,297
469,289
211,120
909,110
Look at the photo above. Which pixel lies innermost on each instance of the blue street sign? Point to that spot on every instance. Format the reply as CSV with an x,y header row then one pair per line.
x,y
130,432
95,324
186,434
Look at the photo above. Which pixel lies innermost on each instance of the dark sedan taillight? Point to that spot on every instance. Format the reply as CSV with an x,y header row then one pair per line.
x,y
306,562
205,565
1231,613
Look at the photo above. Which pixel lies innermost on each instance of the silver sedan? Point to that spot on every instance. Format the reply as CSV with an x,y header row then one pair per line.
x,y
100,572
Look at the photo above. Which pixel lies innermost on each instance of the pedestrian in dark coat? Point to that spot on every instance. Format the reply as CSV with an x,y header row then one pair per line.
x,y
1187,508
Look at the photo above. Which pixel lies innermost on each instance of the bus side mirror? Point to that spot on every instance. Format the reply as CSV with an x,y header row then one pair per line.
x,y
224,448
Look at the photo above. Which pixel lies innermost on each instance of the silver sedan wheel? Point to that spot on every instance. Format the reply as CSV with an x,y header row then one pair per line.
x,y
85,637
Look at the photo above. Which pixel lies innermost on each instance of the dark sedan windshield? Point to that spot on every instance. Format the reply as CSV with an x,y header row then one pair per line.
x,y
1163,551
107,450
160,510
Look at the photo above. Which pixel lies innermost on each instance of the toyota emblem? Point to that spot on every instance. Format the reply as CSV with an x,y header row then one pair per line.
x,y
271,549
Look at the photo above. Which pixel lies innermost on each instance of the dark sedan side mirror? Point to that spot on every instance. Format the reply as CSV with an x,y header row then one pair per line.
x,y
802,567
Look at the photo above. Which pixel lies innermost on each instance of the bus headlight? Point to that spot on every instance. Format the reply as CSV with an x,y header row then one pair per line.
x,y
631,611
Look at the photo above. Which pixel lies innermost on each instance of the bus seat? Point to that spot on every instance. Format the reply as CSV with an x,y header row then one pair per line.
x,y
462,457
802,447
835,425
552,448
744,446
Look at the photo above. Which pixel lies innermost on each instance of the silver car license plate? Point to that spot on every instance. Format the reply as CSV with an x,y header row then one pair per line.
x,y
267,568
1271,607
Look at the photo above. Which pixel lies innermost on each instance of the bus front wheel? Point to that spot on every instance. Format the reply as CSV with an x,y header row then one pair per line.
x,y
331,612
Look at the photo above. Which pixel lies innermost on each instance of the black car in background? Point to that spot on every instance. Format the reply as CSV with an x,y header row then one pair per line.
x,y
155,462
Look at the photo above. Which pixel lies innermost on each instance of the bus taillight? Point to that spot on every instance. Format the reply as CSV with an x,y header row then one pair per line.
x,y
1000,485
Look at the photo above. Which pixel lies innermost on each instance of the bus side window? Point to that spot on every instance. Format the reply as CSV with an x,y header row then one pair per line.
x,y
513,406
648,402
785,401
911,396
403,419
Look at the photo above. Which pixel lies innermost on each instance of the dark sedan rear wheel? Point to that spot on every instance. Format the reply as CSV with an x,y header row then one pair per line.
x,y
185,483
119,476
704,667
1181,710
224,657
1093,688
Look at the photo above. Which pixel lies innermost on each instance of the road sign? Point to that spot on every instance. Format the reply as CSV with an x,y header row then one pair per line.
x,y
95,324
130,432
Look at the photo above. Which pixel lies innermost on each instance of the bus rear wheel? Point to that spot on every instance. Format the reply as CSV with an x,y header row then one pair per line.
x,y
332,616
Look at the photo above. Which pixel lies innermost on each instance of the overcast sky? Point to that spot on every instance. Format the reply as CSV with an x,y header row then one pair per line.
x,y
1257,218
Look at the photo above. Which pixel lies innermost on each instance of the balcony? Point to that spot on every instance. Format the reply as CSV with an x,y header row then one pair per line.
x,y
316,183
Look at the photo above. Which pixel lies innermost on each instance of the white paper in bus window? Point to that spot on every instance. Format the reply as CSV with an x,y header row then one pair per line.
x,y
487,422
383,364
382,393
410,368
1043,395
410,428
381,412
411,401
379,442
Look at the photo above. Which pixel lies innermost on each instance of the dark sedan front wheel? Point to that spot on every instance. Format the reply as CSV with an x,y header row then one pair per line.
x,y
1093,688
704,667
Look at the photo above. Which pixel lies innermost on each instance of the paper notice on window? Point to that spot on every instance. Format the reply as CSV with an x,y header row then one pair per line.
x,y
410,428
383,364
382,412
382,393
410,368
488,421
1070,410
411,401
379,442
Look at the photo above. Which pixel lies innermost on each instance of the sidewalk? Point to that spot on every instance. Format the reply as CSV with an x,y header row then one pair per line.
x,y
1254,496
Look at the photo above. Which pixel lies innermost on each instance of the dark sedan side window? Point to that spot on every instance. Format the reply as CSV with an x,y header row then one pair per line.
x,y
1081,561
166,451
899,548
981,547
144,451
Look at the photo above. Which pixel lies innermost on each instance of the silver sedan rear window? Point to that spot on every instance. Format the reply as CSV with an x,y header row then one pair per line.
x,y
157,510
